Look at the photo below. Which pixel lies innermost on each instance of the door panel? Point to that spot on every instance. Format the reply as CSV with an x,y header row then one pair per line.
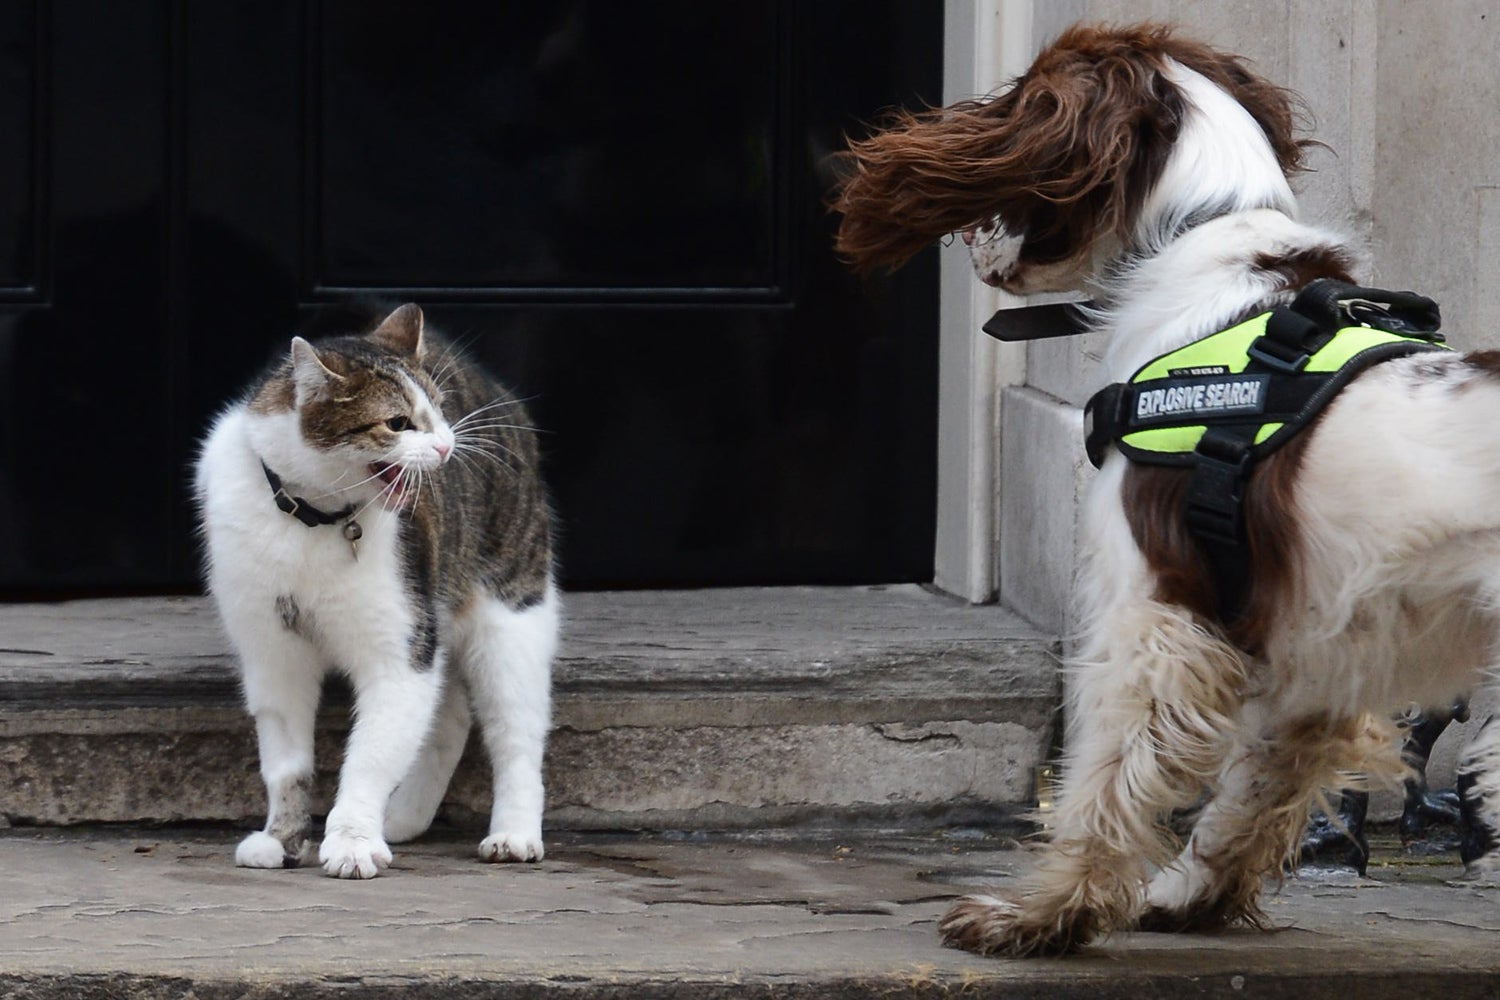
x,y
90,477
23,106
618,211
551,148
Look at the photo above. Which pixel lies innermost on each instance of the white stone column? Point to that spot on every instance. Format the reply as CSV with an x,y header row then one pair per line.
x,y
987,42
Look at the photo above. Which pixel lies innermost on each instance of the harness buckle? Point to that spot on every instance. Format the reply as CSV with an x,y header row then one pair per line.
x,y
1278,356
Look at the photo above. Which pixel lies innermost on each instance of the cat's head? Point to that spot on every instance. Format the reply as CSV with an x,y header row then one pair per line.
x,y
368,414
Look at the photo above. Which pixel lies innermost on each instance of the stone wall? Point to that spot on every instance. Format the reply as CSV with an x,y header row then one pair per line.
x,y
1436,207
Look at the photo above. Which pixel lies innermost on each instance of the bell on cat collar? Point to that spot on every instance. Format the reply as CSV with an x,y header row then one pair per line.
x,y
353,533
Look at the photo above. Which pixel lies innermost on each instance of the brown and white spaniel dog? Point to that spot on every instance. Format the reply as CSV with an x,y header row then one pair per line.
x,y
1152,170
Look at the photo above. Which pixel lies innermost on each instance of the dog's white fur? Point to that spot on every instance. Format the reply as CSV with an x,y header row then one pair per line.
x,y
1393,596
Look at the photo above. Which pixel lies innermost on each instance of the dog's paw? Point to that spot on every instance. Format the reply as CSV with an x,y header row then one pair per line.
x,y
1204,916
345,854
1169,920
261,850
511,847
989,926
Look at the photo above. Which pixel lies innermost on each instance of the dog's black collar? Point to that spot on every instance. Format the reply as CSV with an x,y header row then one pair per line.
x,y
300,508
1018,325
1036,322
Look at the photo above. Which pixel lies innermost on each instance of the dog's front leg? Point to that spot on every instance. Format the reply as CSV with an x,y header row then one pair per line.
x,y
1153,715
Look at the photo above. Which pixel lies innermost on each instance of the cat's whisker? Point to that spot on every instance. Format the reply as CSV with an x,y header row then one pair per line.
x,y
487,446
339,490
388,489
444,374
468,463
467,456
479,416
419,477
500,402
478,436
485,443
473,453
473,466
452,357
492,425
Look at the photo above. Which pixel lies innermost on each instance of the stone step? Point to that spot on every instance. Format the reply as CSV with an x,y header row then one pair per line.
x,y
726,709
100,914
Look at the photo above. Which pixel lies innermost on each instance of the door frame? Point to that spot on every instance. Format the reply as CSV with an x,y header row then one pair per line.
x,y
985,44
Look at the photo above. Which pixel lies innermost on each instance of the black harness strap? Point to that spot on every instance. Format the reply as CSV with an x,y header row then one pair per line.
x,y
1214,507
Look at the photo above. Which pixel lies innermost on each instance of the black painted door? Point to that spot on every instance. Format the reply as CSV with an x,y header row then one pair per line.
x,y
617,206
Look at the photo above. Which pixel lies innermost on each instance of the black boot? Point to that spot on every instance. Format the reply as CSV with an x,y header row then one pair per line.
x,y
1476,838
1339,844
1424,806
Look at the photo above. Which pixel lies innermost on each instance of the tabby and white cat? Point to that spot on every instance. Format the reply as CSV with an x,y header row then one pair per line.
x,y
372,506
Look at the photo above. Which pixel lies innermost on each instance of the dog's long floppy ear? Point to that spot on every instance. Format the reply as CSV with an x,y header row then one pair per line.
x,y
1279,112
1061,158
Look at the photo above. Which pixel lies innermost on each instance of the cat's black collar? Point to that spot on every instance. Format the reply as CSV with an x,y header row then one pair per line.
x,y
300,508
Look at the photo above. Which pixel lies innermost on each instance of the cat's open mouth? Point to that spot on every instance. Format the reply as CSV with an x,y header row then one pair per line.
x,y
393,497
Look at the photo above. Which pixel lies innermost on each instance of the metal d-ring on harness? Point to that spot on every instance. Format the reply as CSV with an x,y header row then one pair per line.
x,y
1223,403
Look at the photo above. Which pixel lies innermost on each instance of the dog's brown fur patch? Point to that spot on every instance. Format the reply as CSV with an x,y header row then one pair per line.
x,y
1154,498
1302,267
1487,362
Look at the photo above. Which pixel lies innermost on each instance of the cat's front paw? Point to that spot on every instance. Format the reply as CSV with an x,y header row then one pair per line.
x,y
261,850
352,855
511,847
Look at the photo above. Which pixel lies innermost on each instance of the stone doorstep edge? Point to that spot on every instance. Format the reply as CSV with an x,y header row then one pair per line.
x,y
987,978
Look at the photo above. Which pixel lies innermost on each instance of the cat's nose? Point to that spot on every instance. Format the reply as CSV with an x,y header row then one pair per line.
x,y
443,450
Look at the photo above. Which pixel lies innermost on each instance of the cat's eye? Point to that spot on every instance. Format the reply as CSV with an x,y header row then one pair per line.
x,y
399,424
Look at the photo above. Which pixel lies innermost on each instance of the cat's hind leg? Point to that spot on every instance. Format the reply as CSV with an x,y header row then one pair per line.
x,y
506,656
415,801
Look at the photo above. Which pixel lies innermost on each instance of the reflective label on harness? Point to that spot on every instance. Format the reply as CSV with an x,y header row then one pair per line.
x,y
1225,395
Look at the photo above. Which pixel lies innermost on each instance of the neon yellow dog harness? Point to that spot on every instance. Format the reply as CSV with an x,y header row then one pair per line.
x,y
1222,403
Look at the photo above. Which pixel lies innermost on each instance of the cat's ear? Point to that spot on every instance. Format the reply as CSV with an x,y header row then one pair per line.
x,y
401,331
310,375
